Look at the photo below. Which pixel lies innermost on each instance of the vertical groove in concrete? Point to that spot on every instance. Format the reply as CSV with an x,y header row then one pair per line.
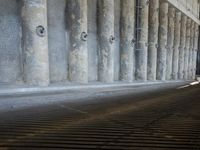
x,y
153,39
92,40
176,45
57,40
182,46
106,40
117,48
162,41
170,42
35,43
127,40
196,39
191,50
142,39
78,53
187,46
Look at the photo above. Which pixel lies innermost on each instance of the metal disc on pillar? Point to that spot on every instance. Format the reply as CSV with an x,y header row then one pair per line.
x,y
78,52
35,43
106,40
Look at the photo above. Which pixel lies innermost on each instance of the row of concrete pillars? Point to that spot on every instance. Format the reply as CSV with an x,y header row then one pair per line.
x,y
157,43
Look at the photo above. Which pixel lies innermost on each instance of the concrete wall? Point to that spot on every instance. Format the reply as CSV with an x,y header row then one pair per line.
x,y
63,34
10,41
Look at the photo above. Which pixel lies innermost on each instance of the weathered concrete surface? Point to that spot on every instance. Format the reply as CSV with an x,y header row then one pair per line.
x,y
182,46
92,40
57,40
196,39
170,42
187,46
106,40
177,27
190,70
117,14
127,37
10,41
142,39
20,97
78,52
153,39
162,41
35,43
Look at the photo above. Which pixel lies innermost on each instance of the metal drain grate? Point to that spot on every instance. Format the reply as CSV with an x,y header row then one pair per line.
x,y
171,124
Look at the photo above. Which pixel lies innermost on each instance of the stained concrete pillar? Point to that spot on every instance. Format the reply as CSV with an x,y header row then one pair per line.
x,y
127,40
182,47
153,39
106,40
196,39
190,67
57,40
35,43
187,46
78,52
177,26
162,41
170,42
142,39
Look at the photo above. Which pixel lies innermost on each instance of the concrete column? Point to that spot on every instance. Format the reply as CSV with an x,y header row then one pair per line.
x,y
170,42
142,39
78,53
153,39
57,40
176,45
162,40
106,40
196,39
187,46
127,40
182,46
35,43
190,71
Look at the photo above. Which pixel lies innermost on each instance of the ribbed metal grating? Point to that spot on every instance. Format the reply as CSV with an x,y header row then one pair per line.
x,y
172,123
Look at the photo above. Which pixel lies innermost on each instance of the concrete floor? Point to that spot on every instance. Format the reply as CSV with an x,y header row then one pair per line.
x,y
162,118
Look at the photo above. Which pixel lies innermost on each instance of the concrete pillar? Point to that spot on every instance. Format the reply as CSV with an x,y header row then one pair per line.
x,y
177,26
162,40
153,39
187,46
170,42
35,43
182,46
190,67
106,40
196,39
78,52
57,40
142,39
127,40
